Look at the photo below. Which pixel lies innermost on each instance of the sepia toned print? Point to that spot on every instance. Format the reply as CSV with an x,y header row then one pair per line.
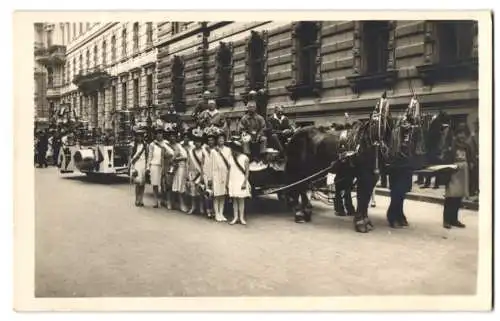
x,y
284,158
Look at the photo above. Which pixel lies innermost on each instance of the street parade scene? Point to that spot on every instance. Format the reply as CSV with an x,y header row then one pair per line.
x,y
157,201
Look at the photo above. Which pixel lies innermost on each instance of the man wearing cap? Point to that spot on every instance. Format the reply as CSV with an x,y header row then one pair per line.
x,y
254,125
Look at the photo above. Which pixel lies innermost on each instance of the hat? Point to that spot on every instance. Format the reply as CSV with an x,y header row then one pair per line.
x,y
170,128
235,145
196,134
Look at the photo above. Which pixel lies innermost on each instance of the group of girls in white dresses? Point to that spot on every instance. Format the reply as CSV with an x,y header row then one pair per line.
x,y
196,168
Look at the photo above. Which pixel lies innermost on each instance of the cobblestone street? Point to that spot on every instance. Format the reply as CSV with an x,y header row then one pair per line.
x,y
91,242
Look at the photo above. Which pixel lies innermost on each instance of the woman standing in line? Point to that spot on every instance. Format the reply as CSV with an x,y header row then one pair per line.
x,y
239,187
458,185
137,166
218,174
155,164
196,160
208,148
180,175
169,168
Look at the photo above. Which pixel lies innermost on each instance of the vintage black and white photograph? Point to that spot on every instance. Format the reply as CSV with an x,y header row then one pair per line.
x,y
277,158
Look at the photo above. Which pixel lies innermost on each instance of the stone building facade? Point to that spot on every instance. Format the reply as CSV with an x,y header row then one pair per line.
x,y
103,67
318,70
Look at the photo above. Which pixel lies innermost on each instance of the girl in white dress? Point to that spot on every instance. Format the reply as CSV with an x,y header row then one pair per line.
x,y
239,187
169,163
218,175
196,160
180,175
155,164
208,148
137,166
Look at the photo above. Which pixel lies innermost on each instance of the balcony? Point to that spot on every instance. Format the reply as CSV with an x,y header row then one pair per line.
x,y
53,92
92,79
51,56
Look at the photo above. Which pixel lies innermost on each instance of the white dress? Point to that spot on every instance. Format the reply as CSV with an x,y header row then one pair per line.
x,y
217,171
139,164
237,177
156,154
196,162
180,176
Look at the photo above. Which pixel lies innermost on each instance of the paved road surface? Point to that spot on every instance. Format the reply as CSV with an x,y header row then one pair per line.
x,y
90,242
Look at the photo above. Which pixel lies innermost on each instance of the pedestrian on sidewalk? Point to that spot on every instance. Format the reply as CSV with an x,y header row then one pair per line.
x,y
155,164
458,185
137,166
238,185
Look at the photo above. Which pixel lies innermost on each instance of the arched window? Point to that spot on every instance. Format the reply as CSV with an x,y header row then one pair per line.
x,y
224,79
178,83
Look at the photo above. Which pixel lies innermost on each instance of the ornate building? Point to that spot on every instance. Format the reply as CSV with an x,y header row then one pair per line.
x,y
97,68
318,70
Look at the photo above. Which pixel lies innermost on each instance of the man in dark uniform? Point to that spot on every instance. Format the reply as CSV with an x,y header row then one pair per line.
x,y
42,146
400,182
280,128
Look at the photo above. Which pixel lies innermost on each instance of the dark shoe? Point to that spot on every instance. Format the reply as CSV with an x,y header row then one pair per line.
x,y
141,204
447,225
394,224
458,224
435,187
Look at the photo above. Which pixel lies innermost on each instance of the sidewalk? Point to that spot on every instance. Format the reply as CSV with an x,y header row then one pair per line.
x,y
428,195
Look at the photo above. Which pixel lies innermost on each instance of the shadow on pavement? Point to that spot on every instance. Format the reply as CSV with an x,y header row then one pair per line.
x,y
100,179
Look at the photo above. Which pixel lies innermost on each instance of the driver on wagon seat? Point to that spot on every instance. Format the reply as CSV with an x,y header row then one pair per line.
x,y
253,125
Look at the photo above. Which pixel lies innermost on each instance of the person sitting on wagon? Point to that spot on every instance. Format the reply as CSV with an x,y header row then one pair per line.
x,y
280,128
201,107
253,125
211,116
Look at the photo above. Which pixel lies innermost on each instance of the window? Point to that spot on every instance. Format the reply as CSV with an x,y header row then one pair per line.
x,y
74,67
136,93
113,98
104,53
178,83
80,109
64,73
374,48
224,62
124,43
174,27
88,59
81,63
149,34
136,37
49,38
74,107
124,95
306,41
149,90
255,52
68,32
81,29
96,58
308,48
113,49
50,77
62,32
454,40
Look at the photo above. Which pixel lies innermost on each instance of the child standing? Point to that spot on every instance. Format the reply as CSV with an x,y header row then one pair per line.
x,y
239,187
